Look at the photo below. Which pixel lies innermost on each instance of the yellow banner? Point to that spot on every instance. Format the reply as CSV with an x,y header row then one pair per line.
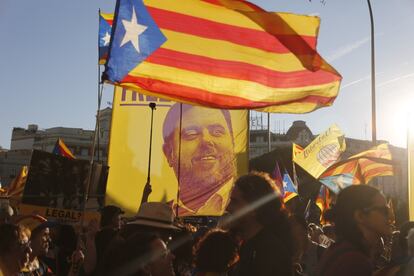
x,y
211,154
322,152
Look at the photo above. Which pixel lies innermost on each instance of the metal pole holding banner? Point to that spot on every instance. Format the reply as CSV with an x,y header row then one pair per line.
x,y
147,189
179,161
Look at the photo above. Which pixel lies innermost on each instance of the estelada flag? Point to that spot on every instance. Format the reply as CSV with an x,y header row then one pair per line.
x,y
322,152
225,54
105,30
289,190
62,150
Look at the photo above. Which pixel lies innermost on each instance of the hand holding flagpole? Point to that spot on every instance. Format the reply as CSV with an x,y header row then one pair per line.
x,y
148,189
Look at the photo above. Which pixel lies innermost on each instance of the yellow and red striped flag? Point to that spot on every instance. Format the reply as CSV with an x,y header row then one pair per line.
x,y
364,166
226,54
16,187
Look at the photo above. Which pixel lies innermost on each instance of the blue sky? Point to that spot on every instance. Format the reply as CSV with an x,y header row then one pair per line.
x,y
48,55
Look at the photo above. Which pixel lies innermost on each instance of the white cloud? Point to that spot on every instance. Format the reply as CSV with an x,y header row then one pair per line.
x,y
342,51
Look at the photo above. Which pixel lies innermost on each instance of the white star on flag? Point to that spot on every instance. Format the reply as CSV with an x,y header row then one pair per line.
x,y
106,38
132,31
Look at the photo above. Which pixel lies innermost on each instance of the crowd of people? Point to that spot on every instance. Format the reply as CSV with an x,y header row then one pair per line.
x,y
256,236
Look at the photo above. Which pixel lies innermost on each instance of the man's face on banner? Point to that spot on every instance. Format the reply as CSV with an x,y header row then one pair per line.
x,y
207,149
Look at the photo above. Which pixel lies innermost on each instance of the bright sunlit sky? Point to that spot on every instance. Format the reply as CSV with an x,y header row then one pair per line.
x,y
48,57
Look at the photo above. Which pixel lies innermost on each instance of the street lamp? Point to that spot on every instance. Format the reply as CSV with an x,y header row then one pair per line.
x,y
373,105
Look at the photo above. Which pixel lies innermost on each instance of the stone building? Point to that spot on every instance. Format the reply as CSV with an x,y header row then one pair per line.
x,y
78,140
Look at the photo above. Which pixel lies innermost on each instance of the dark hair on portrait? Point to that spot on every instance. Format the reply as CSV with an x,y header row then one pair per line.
x,y
216,252
257,186
350,200
173,117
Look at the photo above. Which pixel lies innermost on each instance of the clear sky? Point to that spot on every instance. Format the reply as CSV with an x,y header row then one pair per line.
x,y
48,57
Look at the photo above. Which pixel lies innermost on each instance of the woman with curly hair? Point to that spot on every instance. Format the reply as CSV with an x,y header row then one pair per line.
x,y
258,218
215,253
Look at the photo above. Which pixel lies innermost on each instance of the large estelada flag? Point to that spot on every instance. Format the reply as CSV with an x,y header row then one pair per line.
x,y
359,169
225,54
105,30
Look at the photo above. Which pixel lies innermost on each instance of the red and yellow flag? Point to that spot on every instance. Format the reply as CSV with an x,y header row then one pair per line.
x,y
366,165
220,53
62,150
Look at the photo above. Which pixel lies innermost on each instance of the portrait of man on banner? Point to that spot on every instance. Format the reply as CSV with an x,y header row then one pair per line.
x,y
204,161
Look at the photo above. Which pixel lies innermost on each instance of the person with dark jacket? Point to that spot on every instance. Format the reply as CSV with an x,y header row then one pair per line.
x,y
361,218
257,216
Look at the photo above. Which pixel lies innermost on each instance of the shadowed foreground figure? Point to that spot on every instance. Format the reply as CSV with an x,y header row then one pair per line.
x,y
141,255
258,218
361,218
215,253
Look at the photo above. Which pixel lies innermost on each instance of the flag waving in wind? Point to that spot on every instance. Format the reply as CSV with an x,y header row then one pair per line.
x,y
322,152
225,54
105,29
359,169
62,150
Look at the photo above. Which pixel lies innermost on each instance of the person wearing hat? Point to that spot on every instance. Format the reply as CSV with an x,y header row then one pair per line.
x,y
154,217
38,229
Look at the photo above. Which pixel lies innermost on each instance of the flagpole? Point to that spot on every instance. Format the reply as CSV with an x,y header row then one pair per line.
x,y
269,146
88,183
248,138
147,189
373,96
99,90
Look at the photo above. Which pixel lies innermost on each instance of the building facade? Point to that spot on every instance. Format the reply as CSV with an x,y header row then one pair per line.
x,y
78,140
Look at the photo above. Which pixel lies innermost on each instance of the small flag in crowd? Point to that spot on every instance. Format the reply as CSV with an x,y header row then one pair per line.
x,y
62,150
296,149
363,167
289,190
323,200
277,177
16,186
105,29
225,54
338,182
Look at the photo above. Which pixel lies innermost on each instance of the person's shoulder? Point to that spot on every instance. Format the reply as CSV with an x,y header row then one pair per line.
x,y
344,259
